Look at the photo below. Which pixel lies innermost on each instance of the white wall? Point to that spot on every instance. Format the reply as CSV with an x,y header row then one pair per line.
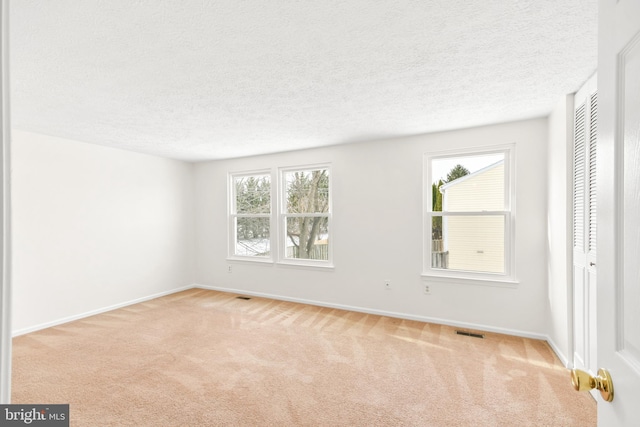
x,y
95,227
559,231
377,232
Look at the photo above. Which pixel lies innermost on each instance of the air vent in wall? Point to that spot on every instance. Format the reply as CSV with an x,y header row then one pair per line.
x,y
470,334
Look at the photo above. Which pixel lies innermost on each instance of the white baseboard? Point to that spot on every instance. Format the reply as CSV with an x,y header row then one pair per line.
x,y
563,358
472,326
98,311
440,321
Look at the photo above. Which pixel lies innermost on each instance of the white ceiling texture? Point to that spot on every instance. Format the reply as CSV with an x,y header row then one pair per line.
x,y
198,80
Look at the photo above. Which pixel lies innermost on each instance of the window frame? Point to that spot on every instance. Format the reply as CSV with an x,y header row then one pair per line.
x,y
232,215
283,215
507,278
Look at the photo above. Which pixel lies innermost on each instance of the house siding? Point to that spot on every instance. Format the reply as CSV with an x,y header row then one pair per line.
x,y
476,243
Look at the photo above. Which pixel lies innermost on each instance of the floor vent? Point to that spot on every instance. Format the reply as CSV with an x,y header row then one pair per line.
x,y
470,334
244,298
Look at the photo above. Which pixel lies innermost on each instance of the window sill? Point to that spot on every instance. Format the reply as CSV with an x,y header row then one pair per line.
x,y
287,264
305,265
463,280
250,260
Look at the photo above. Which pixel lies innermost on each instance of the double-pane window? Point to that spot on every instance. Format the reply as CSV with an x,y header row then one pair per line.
x,y
251,215
469,216
298,232
306,213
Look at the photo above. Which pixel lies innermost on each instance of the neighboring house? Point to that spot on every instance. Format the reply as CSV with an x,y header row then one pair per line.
x,y
475,243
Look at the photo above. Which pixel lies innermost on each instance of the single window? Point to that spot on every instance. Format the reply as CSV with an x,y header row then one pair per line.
x,y
469,221
250,215
306,215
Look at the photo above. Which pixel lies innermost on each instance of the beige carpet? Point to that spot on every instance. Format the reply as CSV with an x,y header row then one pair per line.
x,y
206,358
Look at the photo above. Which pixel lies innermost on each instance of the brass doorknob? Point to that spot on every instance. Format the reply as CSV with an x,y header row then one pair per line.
x,y
583,381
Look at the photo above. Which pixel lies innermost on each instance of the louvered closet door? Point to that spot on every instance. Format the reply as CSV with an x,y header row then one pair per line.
x,y
584,227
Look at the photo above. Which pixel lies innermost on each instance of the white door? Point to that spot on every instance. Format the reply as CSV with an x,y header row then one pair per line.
x,y
618,181
584,227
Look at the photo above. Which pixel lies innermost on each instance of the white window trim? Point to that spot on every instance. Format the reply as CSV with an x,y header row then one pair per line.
x,y
508,278
282,216
231,215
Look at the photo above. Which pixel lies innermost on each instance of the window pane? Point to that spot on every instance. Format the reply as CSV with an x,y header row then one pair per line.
x,y
307,238
307,191
469,243
252,237
253,194
468,183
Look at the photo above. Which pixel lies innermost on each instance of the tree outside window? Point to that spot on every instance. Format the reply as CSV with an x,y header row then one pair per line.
x,y
251,215
458,171
306,214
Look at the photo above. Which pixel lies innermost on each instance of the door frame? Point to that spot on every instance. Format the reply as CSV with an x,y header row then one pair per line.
x,y
5,211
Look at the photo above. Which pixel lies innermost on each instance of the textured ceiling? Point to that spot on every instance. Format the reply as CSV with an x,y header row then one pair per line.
x,y
197,80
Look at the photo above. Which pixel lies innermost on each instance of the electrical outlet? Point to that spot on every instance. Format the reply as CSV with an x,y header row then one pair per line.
x,y
427,289
387,284
229,269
